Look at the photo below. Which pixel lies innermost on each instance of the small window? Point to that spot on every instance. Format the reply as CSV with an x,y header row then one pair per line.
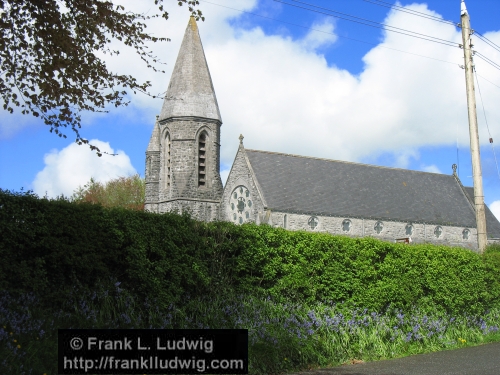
x,y
465,234
284,221
409,229
313,222
202,163
346,225
165,174
379,226
241,220
438,231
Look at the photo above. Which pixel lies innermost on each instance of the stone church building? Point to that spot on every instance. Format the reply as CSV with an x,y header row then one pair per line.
x,y
291,191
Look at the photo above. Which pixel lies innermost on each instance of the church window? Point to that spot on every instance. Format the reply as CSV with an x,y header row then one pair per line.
x,y
409,229
378,227
148,165
240,205
465,234
438,231
166,162
313,222
346,225
284,221
202,159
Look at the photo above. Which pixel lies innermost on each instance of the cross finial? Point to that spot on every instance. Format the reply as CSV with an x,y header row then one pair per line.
x,y
241,139
454,167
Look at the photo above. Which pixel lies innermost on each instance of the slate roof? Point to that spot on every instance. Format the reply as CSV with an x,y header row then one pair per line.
x,y
292,183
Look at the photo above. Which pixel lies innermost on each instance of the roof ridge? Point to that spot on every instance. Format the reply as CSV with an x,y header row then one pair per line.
x,y
345,162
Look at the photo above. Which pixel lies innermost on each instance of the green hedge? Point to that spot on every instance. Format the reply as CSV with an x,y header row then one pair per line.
x,y
49,246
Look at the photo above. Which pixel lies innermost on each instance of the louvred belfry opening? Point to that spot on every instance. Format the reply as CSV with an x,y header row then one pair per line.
x,y
202,149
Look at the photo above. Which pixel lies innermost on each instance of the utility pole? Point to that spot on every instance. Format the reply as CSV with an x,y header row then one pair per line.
x,y
473,130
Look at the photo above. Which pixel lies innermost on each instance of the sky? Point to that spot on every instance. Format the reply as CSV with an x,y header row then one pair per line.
x,y
295,81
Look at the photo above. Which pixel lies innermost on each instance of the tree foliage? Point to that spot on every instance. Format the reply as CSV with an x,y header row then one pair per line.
x,y
126,192
49,63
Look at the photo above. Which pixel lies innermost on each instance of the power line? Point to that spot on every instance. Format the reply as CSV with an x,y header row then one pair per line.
x,y
370,23
484,58
487,126
487,41
326,32
410,11
487,80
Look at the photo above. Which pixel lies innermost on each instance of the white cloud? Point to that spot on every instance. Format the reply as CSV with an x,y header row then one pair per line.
x,y
283,96
74,165
431,168
495,208
320,35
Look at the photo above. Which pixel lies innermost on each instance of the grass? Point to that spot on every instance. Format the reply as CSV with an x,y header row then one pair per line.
x,y
282,337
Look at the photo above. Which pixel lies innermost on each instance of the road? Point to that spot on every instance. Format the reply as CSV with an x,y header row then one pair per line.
x,y
478,360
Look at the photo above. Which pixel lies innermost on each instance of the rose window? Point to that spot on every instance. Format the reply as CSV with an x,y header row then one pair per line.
x,y
240,205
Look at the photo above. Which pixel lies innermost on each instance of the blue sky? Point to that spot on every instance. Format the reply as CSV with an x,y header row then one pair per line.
x,y
323,87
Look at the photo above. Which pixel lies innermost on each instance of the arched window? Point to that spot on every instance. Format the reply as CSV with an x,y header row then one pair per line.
x,y
346,225
202,159
148,166
284,221
438,231
409,229
166,161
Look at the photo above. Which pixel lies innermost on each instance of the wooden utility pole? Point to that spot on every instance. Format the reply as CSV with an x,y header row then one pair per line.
x,y
473,130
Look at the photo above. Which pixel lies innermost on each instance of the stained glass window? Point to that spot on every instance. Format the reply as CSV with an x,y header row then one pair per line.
x,y
346,225
313,222
438,231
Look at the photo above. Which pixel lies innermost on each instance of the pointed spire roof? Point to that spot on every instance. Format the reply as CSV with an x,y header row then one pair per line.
x,y
154,141
191,92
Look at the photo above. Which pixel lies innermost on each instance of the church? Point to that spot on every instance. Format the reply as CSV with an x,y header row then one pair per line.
x,y
291,191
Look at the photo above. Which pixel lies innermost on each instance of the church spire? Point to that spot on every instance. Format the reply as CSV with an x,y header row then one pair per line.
x,y
191,92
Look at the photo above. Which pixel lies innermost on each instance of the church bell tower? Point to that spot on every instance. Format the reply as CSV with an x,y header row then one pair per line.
x,y
183,155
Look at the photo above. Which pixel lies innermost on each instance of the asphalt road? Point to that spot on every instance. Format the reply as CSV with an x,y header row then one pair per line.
x,y
478,360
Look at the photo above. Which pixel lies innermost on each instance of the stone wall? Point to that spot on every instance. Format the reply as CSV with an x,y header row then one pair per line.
x,y
388,230
241,175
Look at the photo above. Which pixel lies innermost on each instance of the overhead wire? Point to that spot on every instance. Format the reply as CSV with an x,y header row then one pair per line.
x,y
484,58
487,126
366,22
488,80
487,41
410,11
326,32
